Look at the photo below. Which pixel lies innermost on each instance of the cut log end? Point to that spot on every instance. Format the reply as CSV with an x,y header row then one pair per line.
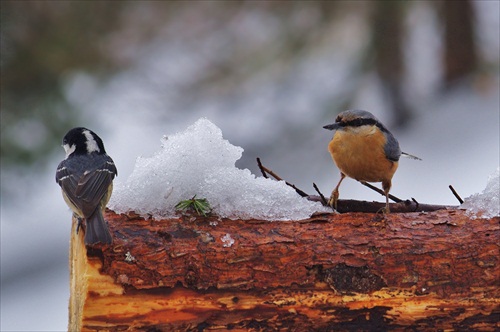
x,y
354,271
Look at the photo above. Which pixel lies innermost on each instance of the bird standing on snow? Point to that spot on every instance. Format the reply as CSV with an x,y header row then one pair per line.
x,y
86,179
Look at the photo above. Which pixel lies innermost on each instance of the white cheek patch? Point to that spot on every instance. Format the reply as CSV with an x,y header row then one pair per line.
x,y
69,149
91,143
363,130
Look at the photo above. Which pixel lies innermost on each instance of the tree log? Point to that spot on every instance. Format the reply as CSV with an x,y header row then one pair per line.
x,y
332,272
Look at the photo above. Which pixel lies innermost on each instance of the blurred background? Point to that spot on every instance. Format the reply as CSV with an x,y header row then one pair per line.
x,y
270,74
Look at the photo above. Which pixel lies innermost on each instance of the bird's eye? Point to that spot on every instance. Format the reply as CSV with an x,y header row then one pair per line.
x,y
338,119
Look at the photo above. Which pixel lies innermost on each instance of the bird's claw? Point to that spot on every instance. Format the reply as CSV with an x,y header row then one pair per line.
x,y
332,202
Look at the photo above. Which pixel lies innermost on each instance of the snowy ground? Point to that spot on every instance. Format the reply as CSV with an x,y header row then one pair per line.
x,y
457,135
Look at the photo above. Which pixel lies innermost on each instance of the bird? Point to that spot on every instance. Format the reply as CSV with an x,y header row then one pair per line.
x,y
86,179
365,150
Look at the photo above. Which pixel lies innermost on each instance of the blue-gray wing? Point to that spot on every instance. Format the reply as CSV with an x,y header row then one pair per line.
x,y
86,180
391,148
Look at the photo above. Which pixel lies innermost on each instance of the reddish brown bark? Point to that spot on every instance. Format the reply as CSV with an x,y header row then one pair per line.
x,y
355,271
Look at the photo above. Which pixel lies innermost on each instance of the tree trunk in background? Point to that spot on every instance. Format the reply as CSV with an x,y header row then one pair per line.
x,y
460,58
335,272
387,41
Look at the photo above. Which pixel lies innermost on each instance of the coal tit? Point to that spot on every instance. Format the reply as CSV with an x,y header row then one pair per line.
x,y
86,179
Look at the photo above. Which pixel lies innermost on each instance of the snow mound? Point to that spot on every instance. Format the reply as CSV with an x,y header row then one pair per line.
x,y
487,203
200,162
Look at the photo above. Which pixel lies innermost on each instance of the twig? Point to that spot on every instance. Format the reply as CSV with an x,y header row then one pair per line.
x,y
274,175
350,205
381,192
323,199
268,171
417,204
456,194
264,174
300,192
362,206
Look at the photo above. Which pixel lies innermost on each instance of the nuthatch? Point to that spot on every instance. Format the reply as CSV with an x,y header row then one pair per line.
x,y
363,149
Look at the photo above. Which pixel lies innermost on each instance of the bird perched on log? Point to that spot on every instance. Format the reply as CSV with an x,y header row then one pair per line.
x,y
365,150
86,179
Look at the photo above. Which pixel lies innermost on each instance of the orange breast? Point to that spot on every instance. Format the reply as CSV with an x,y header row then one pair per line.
x,y
359,154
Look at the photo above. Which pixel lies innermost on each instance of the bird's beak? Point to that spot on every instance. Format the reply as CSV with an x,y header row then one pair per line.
x,y
333,126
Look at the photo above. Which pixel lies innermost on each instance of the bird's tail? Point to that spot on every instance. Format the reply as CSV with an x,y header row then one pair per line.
x,y
97,230
407,155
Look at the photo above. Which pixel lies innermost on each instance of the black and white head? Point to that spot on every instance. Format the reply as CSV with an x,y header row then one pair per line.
x,y
81,141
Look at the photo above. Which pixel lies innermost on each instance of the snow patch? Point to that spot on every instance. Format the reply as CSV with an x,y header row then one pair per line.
x,y
200,162
487,203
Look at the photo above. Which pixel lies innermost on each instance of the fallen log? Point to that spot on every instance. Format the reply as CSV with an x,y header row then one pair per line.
x,y
333,272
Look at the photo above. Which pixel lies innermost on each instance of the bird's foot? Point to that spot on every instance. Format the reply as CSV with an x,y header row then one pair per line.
x,y
332,202
385,210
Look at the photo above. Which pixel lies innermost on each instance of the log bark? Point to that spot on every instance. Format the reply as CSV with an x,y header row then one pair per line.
x,y
332,272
